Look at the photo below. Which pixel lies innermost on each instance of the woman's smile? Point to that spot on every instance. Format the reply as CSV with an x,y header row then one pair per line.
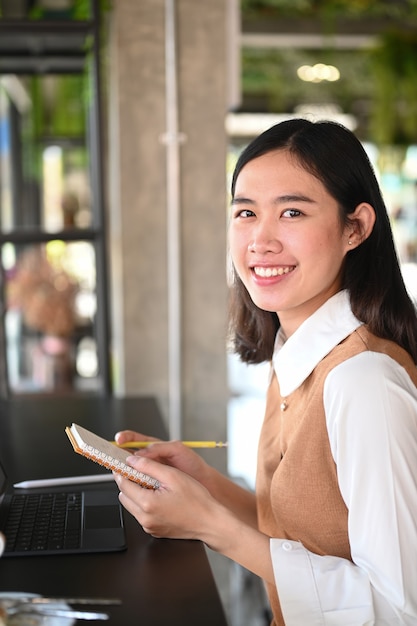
x,y
268,272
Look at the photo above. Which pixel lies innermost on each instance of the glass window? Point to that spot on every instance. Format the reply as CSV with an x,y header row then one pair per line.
x,y
44,168
53,279
50,313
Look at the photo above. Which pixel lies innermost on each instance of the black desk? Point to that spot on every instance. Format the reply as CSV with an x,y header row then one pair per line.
x,y
159,581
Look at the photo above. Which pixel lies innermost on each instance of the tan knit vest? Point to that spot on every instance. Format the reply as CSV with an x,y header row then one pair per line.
x,y
297,491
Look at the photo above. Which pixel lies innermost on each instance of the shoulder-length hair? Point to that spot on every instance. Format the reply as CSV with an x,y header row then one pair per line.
x,y
371,273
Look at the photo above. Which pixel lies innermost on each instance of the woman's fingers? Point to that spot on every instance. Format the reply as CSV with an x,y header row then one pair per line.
x,y
172,453
176,510
130,435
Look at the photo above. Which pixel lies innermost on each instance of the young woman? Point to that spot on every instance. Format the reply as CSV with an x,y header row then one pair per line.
x,y
317,291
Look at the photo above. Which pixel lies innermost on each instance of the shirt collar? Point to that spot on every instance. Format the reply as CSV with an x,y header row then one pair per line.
x,y
295,358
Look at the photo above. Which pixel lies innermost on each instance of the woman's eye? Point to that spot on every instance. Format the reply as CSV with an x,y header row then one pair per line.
x,y
292,213
244,213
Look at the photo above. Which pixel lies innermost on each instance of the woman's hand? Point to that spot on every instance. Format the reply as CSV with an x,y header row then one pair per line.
x,y
172,453
181,508
221,488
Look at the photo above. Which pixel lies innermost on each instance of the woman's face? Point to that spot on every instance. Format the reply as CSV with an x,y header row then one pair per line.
x,y
286,239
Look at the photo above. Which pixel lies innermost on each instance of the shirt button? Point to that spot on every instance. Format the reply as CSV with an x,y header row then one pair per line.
x,y
287,546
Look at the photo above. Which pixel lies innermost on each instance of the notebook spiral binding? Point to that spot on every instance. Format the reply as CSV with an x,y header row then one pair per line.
x,y
125,470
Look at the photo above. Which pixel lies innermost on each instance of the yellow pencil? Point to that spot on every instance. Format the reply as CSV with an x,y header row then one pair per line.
x,y
189,444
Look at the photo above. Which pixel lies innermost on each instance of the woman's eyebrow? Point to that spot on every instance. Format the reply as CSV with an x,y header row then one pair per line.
x,y
241,200
293,197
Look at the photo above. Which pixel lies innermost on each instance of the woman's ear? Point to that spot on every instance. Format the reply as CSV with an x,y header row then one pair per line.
x,y
362,222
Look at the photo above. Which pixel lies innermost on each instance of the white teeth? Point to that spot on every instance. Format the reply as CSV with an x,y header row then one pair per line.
x,y
267,272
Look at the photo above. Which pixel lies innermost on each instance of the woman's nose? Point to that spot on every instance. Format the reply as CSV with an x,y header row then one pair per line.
x,y
265,240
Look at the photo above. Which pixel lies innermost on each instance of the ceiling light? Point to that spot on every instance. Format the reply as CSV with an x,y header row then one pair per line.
x,y
318,72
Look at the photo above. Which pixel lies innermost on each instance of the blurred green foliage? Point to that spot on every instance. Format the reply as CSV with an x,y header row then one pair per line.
x,y
377,85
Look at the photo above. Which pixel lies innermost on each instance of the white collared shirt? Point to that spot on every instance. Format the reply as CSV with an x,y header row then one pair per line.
x,y
371,413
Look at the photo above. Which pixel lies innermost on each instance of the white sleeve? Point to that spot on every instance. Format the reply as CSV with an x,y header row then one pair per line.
x,y
371,411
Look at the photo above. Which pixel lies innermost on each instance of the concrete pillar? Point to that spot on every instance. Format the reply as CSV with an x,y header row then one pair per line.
x,y
138,212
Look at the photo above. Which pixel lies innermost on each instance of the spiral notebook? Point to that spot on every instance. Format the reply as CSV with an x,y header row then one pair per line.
x,y
107,454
